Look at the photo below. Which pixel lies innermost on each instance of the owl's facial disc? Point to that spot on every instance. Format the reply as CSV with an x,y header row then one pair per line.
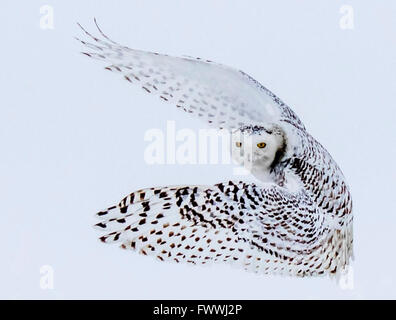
x,y
256,150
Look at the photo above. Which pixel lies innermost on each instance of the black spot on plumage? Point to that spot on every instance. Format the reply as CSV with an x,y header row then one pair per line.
x,y
101,225
167,206
163,194
179,201
146,206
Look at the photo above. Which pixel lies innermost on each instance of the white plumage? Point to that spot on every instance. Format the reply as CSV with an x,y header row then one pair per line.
x,y
296,220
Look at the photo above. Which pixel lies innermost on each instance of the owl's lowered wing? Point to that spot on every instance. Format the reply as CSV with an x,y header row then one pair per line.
x,y
264,230
222,96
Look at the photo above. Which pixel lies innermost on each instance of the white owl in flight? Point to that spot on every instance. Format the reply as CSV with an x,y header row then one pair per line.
x,y
297,220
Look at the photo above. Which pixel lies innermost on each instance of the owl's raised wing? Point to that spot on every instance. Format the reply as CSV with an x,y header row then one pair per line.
x,y
262,229
222,96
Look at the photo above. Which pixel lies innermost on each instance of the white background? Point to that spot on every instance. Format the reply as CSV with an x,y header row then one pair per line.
x,y
71,136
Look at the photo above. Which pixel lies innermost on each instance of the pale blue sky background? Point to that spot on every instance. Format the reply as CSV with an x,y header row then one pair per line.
x,y
71,136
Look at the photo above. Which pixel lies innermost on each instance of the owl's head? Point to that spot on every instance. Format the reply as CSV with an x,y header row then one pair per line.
x,y
258,148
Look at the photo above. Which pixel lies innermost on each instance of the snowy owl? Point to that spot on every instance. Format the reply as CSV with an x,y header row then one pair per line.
x,y
296,220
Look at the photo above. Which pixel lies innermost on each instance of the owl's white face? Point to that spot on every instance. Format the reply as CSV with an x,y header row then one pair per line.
x,y
255,151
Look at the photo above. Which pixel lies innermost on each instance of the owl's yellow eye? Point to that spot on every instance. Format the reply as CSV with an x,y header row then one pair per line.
x,y
238,144
261,145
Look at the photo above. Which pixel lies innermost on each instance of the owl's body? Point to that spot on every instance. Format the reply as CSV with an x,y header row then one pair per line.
x,y
295,219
